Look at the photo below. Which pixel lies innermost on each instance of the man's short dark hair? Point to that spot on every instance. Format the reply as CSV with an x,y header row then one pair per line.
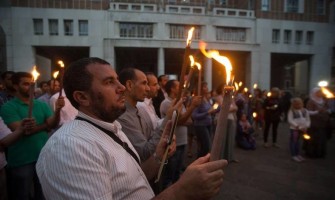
x,y
4,74
18,76
160,78
42,83
169,85
77,78
127,74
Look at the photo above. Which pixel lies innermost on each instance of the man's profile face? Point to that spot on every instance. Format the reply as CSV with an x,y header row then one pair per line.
x,y
107,100
140,88
23,87
164,80
153,85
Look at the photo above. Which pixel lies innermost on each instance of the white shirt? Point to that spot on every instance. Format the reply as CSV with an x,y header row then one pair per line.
x,y
147,107
68,112
181,130
79,161
4,131
297,119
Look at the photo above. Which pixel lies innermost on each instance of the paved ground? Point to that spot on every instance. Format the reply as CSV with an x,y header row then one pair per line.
x,y
269,173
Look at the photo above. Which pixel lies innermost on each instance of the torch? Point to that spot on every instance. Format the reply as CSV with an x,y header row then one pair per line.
x,y
221,127
185,62
61,74
55,74
35,75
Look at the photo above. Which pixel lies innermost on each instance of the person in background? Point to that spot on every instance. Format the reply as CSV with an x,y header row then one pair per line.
x,y
244,138
272,112
22,155
8,91
54,87
104,164
161,95
230,137
202,121
43,88
175,162
299,121
319,113
257,107
7,138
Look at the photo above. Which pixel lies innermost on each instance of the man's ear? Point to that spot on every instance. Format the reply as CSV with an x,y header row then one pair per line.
x,y
82,98
129,85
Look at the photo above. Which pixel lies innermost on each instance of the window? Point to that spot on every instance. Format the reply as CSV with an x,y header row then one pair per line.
x,y
320,7
265,5
309,37
137,30
231,34
275,36
298,37
181,32
38,26
68,27
83,27
292,6
223,2
53,26
287,36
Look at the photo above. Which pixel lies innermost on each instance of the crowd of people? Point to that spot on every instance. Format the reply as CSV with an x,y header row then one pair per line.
x,y
105,135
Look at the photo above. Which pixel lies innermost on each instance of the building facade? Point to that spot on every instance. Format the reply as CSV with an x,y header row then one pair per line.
x,y
289,44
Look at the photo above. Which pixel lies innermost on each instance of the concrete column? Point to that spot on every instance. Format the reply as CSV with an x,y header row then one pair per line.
x,y
109,52
320,68
208,72
261,69
161,62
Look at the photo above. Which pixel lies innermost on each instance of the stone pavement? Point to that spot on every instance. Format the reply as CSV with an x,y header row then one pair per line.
x,y
269,173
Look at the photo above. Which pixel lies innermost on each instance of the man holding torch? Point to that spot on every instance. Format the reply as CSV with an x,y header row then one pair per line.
x,y
23,154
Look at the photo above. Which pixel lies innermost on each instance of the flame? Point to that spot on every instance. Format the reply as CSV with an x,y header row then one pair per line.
x,y
221,59
306,136
254,114
55,74
198,65
236,86
189,37
327,93
60,62
255,85
191,60
269,94
215,106
250,95
35,74
245,90
240,83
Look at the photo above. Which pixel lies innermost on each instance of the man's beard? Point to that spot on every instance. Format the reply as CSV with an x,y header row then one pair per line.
x,y
108,114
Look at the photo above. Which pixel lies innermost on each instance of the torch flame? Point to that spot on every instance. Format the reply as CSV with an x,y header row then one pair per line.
x,y
327,93
35,74
240,83
189,37
191,60
255,85
306,136
254,114
221,59
198,65
60,62
215,106
245,89
55,74
236,86
269,94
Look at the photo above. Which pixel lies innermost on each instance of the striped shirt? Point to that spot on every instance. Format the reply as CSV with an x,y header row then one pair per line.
x,y
81,162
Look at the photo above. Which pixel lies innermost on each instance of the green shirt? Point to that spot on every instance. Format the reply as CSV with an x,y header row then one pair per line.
x,y
27,149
